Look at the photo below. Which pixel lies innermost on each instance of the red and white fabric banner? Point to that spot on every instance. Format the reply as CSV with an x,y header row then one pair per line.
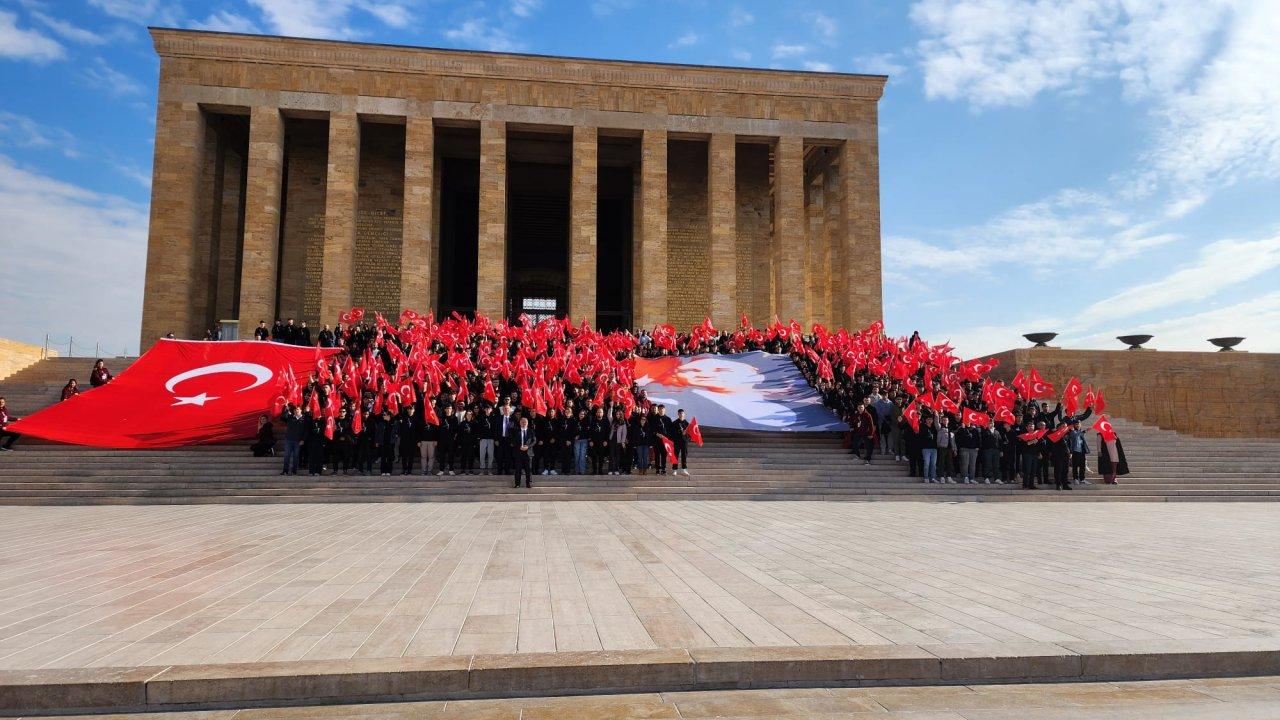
x,y
179,393
743,391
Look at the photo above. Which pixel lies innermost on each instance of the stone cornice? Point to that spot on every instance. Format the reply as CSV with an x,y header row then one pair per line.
x,y
511,66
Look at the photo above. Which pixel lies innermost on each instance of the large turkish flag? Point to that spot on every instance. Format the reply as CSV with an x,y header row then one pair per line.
x,y
180,392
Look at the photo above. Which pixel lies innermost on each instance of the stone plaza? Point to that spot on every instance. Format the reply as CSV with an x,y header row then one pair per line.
x,y
299,178
153,586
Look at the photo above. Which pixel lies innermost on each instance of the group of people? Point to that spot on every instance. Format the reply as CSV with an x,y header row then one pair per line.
x,y
478,439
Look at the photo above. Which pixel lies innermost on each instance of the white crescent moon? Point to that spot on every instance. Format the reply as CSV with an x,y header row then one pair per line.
x,y
260,374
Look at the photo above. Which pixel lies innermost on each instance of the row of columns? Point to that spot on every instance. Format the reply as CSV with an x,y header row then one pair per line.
x,y
180,127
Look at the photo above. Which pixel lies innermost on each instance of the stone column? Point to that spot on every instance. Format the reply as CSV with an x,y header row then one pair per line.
x,y
418,249
171,243
860,225
491,256
832,207
582,225
341,198
650,269
261,252
817,272
789,229
722,207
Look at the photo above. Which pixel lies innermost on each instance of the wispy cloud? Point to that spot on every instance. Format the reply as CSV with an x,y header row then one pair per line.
x,y
226,21
92,256
818,66
68,31
879,64
21,131
740,18
824,27
783,50
481,34
104,77
26,43
687,39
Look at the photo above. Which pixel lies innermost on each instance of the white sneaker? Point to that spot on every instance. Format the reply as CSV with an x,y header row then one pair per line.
x,y
439,473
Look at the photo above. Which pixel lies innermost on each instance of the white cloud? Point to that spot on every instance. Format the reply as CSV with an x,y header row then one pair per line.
x,y
685,40
740,18
1256,319
393,15
25,44
740,55
817,66
162,12
786,51
92,252
478,33
1220,265
600,8
68,31
104,77
879,64
225,21
524,8
306,18
1037,236
824,27
21,131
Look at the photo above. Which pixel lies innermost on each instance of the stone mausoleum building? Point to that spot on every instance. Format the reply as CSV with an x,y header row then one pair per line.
x,y
297,178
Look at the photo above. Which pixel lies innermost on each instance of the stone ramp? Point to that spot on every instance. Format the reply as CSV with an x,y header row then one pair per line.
x,y
734,465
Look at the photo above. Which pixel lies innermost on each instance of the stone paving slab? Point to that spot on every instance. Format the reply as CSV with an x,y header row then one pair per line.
x,y
1255,698
160,586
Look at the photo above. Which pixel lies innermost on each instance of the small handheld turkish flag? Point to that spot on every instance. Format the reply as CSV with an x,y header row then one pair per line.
x,y
1071,396
694,432
973,417
1060,433
670,447
1103,426
1033,435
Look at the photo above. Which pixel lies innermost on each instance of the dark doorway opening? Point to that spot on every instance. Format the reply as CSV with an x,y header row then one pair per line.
x,y
538,199
615,231
459,206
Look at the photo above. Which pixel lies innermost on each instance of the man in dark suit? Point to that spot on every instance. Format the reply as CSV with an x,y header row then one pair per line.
x,y
521,440
302,335
502,424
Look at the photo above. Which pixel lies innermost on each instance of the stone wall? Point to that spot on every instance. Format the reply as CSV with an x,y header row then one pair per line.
x,y
15,355
755,233
688,234
302,256
1210,394
379,220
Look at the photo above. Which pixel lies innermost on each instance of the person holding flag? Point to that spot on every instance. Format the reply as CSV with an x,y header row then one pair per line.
x,y
968,442
679,437
1079,448
1111,460
927,442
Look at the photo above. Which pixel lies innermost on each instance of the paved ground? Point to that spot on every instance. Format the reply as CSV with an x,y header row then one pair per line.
x,y
1235,698
148,585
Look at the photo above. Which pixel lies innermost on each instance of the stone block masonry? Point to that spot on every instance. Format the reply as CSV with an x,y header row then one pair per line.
x,y
1210,394
308,223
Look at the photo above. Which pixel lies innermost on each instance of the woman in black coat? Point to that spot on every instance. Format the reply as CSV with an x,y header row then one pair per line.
x,y
1111,461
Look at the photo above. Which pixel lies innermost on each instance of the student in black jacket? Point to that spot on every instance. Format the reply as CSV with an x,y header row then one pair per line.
x,y
315,445
990,445
295,431
447,447
340,447
266,443
407,433
598,441
679,431
466,443
486,436
384,440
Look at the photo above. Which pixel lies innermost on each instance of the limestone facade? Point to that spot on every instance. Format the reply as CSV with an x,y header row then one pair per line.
x,y
299,177
1209,394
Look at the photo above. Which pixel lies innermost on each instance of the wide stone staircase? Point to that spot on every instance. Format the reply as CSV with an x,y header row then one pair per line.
x,y
733,465
40,385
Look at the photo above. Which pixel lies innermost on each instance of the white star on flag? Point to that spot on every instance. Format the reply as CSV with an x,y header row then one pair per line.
x,y
200,399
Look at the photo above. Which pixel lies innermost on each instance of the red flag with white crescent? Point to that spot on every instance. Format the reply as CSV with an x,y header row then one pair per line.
x,y
180,392
1103,426
670,448
694,432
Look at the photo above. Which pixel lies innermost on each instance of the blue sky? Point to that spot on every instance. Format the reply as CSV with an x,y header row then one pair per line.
x,y
1092,167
